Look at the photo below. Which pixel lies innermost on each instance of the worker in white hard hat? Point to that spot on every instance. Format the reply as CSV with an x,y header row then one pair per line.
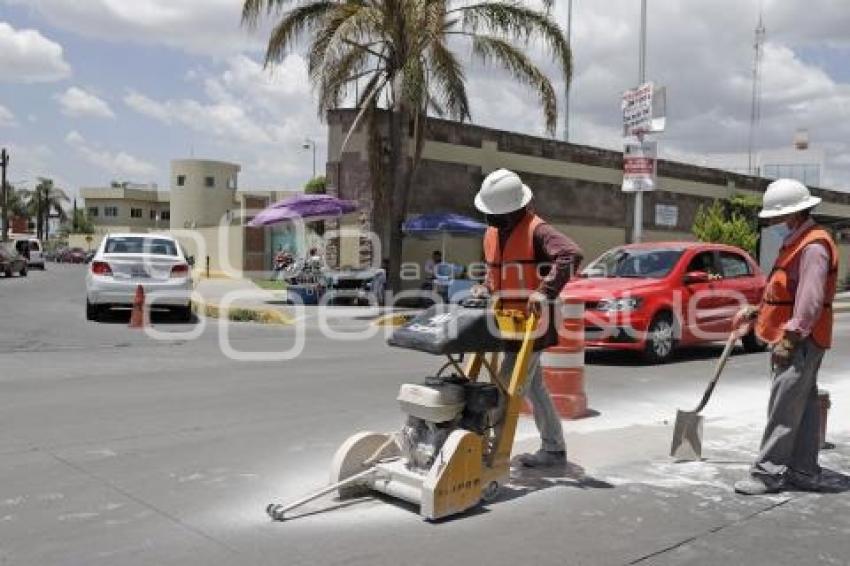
x,y
795,319
528,263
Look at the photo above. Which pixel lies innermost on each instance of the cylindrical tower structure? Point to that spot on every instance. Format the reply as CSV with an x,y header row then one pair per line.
x,y
202,192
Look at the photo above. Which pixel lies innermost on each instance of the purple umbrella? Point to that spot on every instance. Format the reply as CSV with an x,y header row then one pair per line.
x,y
303,207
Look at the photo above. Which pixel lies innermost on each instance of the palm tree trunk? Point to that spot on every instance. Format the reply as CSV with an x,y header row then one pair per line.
x,y
397,198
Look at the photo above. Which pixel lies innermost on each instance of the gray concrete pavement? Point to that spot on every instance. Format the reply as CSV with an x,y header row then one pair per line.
x,y
119,449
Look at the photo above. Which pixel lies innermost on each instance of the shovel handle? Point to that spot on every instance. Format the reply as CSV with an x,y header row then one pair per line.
x,y
721,363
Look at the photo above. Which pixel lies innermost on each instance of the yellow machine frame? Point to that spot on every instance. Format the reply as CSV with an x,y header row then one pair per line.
x,y
468,471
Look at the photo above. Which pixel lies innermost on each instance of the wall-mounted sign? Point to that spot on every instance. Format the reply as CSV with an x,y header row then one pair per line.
x,y
666,215
639,166
644,109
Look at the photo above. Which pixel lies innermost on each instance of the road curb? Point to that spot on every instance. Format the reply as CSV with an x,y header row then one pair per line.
x,y
393,319
259,315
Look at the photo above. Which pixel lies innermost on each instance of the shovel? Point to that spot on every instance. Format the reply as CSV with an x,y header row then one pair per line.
x,y
687,434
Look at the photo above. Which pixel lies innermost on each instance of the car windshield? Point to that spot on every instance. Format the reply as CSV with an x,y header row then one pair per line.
x,y
622,262
140,245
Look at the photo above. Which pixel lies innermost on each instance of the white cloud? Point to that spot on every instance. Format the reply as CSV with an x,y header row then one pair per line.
x,y
7,119
76,102
26,56
119,164
251,115
196,26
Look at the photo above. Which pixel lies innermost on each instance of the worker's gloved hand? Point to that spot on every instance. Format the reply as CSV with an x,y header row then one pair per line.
x,y
479,291
743,319
783,351
536,302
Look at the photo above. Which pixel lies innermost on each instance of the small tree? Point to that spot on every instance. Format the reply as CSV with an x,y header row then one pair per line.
x,y
722,223
80,223
316,186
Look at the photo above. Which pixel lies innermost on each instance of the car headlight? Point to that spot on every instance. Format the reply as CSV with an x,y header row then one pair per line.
x,y
620,305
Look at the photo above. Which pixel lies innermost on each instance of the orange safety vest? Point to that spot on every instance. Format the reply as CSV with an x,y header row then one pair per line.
x,y
777,304
513,271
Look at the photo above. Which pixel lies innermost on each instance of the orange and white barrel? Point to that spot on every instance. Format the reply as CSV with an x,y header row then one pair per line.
x,y
563,364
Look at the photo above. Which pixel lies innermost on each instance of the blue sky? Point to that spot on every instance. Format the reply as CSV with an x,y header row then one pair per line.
x,y
99,90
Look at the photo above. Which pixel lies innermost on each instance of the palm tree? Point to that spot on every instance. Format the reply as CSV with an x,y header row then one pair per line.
x,y
41,200
403,51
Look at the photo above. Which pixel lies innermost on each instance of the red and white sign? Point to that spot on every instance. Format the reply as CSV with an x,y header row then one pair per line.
x,y
644,109
639,166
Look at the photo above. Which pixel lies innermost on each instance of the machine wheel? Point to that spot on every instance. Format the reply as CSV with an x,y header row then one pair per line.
x,y
349,458
660,339
491,492
91,311
752,344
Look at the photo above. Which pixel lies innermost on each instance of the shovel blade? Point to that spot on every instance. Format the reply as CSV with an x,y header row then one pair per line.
x,y
687,437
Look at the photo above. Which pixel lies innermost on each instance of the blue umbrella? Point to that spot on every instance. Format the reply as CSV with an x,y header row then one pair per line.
x,y
441,223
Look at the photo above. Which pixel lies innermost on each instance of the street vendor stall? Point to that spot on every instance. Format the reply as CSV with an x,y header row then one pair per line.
x,y
305,276
451,281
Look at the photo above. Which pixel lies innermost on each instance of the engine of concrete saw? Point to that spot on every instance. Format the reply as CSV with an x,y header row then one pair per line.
x,y
439,406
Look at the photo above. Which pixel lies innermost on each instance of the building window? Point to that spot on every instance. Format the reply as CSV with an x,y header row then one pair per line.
x,y
110,211
135,213
165,215
209,182
231,182
181,180
93,211
153,214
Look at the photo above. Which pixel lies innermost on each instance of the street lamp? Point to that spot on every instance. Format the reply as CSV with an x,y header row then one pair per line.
x,y
309,143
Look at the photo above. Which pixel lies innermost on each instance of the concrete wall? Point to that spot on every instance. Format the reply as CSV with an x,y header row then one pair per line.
x,y
577,188
224,247
196,205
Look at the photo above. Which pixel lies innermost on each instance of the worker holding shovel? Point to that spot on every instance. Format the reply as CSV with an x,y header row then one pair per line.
x,y
528,263
795,319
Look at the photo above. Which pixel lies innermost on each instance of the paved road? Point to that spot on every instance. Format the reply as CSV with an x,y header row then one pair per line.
x,y
116,448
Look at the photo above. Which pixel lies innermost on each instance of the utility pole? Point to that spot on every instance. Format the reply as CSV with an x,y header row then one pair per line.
x,y
638,220
567,84
755,103
310,143
4,162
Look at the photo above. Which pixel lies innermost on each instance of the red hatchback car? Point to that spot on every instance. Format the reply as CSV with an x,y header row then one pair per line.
x,y
653,297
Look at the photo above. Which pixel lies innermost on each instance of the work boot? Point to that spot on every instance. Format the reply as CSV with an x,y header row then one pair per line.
x,y
543,459
756,486
803,482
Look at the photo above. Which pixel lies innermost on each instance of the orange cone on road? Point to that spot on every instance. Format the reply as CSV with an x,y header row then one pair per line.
x,y
137,318
563,365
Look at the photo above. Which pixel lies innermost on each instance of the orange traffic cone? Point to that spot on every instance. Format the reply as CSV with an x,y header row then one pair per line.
x,y
137,318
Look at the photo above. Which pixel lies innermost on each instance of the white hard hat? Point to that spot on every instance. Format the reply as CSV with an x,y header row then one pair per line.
x,y
502,192
786,196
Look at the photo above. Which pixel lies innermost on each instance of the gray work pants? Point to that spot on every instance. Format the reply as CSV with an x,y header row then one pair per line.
x,y
792,436
545,416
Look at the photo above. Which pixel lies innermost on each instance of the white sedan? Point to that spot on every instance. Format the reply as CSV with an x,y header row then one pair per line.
x,y
125,261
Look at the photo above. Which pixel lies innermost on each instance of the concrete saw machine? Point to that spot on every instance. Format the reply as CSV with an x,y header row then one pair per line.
x,y
453,451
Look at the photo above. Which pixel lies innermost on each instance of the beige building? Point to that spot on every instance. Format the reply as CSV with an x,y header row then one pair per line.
x,y
203,208
126,208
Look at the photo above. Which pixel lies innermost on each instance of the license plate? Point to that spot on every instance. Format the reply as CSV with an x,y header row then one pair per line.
x,y
138,271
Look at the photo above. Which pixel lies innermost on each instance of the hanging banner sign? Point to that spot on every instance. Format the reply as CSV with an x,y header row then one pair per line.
x,y
639,160
644,109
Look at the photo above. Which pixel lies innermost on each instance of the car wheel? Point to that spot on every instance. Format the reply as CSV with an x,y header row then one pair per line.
x,y
23,271
92,312
660,339
752,344
8,271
